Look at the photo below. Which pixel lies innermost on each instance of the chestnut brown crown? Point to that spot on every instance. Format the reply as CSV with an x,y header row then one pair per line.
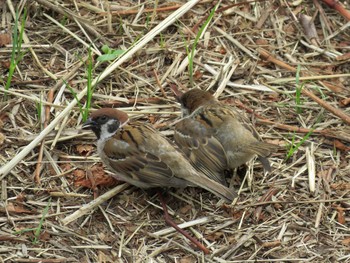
x,y
105,122
195,98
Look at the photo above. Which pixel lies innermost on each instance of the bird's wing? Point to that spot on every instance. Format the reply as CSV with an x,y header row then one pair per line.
x,y
128,156
262,149
205,152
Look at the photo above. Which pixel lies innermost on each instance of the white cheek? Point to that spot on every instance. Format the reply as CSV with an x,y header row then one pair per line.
x,y
105,134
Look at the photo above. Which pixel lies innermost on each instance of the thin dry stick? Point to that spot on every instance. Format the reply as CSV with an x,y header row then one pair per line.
x,y
170,222
201,21
284,80
41,150
339,7
335,111
199,221
41,260
146,10
222,9
71,72
159,84
239,207
235,42
269,57
94,203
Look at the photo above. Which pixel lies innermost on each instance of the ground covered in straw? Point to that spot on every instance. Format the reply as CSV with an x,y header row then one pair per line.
x,y
284,64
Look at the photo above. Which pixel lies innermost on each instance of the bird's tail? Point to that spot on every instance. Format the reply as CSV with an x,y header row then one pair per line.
x,y
215,188
263,149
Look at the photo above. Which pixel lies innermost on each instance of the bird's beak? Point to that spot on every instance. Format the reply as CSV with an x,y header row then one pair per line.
x,y
88,124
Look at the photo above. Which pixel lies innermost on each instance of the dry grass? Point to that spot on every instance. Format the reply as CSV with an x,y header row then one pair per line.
x,y
248,55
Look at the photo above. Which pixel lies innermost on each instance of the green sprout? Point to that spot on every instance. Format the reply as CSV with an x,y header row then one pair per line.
x,y
16,53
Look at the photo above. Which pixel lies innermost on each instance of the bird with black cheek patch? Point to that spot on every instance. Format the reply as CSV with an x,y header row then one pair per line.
x,y
141,156
215,137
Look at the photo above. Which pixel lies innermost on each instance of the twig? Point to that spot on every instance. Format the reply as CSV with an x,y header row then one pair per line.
x,y
335,111
41,150
283,80
195,222
269,57
146,10
292,202
159,84
170,222
235,42
222,9
94,203
339,7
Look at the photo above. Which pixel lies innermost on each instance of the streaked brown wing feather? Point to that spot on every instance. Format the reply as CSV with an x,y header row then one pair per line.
x,y
133,162
202,148
259,147
227,114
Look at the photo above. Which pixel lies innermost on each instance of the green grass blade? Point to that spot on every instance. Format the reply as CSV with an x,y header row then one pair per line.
x,y
38,229
294,148
199,34
16,52
299,87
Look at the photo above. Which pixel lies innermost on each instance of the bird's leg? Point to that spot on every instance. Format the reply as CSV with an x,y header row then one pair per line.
x,y
170,222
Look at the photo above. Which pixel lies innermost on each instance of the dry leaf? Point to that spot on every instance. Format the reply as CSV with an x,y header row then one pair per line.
x,y
346,56
308,26
2,138
334,86
214,236
341,186
261,42
344,102
44,236
84,149
185,209
275,243
15,208
341,215
188,259
98,178
5,39
152,119
346,242
5,64
197,75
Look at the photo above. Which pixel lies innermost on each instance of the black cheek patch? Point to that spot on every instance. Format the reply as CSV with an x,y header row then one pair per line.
x,y
97,131
113,127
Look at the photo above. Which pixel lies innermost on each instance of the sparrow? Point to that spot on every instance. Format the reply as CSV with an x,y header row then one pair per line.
x,y
139,155
215,138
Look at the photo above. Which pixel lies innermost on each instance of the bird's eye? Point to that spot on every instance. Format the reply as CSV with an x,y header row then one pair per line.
x,y
102,119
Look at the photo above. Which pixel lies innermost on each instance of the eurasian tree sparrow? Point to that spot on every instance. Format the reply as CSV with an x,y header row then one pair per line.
x,y
141,156
214,136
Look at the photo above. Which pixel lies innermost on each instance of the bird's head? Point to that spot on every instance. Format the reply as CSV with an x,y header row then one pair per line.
x,y
105,122
194,98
